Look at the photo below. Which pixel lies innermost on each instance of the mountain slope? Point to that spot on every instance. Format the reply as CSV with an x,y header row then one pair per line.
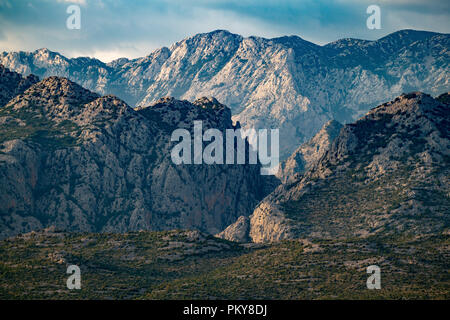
x,y
387,173
82,162
285,82
12,84
309,152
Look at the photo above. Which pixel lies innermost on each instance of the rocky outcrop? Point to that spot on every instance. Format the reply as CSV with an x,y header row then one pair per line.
x,y
82,162
12,84
309,152
286,83
387,173
238,231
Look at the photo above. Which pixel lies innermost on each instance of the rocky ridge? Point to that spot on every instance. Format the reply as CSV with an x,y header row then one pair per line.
x,y
82,162
387,173
286,82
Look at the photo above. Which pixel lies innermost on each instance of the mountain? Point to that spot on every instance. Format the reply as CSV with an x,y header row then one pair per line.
x,y
84,162
286,82
309,152
386,174
12,84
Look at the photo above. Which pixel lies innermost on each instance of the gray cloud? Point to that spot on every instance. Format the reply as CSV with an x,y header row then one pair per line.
x,y
110,29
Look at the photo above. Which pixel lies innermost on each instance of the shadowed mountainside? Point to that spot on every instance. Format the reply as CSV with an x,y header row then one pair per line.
x,y
82,162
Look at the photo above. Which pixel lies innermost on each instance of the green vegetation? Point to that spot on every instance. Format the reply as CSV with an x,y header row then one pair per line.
x,y
172,265
353,202
28,123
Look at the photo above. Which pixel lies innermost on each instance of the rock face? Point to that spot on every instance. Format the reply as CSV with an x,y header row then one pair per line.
x,y
82,162
309,152
12,84
238,231
387,173
286,83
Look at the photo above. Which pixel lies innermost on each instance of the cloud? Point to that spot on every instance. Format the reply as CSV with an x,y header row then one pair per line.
x,y
114,28
80,2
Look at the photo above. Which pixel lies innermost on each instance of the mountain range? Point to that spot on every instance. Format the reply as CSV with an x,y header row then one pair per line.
x,y
86,175
82,162
286,82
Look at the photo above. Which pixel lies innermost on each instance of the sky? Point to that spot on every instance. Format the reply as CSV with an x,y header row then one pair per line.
x,y
110,29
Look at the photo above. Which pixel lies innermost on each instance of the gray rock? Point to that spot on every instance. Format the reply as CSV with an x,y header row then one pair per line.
x,y
286,83
237,232
309,152
387,173
82,162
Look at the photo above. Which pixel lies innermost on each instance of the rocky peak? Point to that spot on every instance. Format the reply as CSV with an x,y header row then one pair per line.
x,y
175,113
53,98
348,42
405,37
45,54
43,51
102,109
410,117
209,102
216,35
12,84
62,90
328,132
414,102
60,86
165,100
300,46
118,62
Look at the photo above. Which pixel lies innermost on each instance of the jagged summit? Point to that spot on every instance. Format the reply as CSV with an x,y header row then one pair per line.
x,y
286,82
44,50
414,102
13,83
44,54
118,62
58,99
397,39
217,32
204,102
209,102
409,35
172,112
166,100
53,96
61,86
208,39
348,42
103,109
